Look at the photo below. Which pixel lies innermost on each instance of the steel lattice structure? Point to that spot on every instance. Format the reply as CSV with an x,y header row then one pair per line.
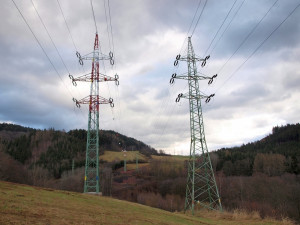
x,y
91,178
201,186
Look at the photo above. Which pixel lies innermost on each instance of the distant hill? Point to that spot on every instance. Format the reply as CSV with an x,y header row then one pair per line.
x,y
279,151
14,127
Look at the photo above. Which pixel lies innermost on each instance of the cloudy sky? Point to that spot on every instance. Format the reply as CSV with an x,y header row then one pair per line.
x,y
256,59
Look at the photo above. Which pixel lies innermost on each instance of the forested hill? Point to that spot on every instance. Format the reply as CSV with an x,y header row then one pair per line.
x,y
55,150
111,140
275,154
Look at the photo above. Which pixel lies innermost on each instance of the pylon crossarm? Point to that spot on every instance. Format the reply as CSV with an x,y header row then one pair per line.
x,y
186,76
93,101
104,78
90,56
99,56
85,78
191,58
88,78
194,97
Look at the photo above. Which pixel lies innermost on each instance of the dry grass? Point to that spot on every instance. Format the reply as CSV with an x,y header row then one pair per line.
x,y
168,164
22,204
176,158
244,215
133,166
110,156
240,216
287,221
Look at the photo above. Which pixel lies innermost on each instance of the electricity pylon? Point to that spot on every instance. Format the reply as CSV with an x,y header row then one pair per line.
x,y
91,178
201,184
125,166
137,161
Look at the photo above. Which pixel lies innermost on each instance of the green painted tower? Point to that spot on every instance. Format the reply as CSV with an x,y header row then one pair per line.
x,y
91,178
201,189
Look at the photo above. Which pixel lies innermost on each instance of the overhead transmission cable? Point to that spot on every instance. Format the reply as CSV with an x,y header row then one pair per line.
x,y
63,62
44,51
259,46
107,29
94,16
69,31
246,38
220,27
199,18
50,37
187,33
216,43
228,25
111,30
114,65
67,25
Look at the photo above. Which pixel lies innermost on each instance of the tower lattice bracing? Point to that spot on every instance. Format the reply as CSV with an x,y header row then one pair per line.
x,y
201,189
91,178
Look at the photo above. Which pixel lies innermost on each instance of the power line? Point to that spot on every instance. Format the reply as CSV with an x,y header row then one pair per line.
x,y
246,38
220,27
114,66
67,24
41,46
240,6
199,18
50,37
187,33
110,45
44,51
258,47
94,16
111,30
69,31
108,35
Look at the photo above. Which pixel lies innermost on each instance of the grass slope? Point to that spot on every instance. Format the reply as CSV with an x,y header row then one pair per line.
x,y
22,204
172,158
110,156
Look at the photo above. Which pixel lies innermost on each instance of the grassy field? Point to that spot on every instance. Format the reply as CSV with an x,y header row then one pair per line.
x,y
172,162
133,166
22,204
110,156
176,158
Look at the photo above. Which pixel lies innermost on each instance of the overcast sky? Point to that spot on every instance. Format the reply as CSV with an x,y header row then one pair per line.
x,y
251,97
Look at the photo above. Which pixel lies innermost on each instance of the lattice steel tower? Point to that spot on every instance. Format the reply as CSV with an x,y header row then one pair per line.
x,y
201,186
91,178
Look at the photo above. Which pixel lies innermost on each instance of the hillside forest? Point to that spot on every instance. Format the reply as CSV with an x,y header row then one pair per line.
x,y
261,176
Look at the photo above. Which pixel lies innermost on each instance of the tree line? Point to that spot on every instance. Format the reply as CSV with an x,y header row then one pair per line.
x,y
55,150
274,155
